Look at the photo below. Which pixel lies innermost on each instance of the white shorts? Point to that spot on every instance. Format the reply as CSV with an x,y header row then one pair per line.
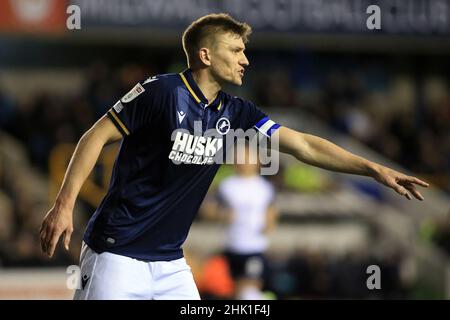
x,y
109,276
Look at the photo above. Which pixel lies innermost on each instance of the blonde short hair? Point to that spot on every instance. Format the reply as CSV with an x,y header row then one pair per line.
x,y
204,28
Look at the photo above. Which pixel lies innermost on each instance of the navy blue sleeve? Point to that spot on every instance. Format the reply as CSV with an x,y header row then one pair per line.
x,y
253,117
138,107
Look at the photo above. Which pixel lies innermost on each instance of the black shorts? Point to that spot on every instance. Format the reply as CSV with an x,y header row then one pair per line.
x,y
251,265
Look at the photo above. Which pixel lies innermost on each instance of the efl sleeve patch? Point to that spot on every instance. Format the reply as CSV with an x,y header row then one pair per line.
x,y
136,91
118,106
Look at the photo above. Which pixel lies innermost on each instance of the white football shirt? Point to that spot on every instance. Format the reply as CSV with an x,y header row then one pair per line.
x,y
248,198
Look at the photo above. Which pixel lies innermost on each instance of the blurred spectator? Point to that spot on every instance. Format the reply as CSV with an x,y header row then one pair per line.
x,y
7,111
441,234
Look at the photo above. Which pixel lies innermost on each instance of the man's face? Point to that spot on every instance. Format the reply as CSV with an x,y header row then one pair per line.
x,y
228,60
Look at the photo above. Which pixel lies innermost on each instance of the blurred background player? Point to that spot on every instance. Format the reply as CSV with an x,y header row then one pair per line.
x,y
245,201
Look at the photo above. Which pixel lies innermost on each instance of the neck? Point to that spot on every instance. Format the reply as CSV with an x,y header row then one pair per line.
x,y
207,84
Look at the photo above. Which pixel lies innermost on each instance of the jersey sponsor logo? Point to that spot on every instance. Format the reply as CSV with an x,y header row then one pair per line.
x,y
223,126
118,106
181,115
194,149
136,91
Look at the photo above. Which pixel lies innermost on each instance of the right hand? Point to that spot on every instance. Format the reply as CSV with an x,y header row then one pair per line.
x,y
57,221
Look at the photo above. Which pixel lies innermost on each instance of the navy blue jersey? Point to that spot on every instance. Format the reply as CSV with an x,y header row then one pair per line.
x,y
165,164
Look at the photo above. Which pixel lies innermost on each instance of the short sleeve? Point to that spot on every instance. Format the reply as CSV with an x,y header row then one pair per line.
x,y
253,117
137,108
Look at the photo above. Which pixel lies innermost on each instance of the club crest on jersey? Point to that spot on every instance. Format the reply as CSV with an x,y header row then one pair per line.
x,y
136,91
223,126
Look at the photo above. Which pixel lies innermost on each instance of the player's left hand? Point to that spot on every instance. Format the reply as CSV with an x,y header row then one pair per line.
x,y
401,183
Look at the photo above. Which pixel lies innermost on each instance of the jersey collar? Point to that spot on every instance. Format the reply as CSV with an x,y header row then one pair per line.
x,y
197,94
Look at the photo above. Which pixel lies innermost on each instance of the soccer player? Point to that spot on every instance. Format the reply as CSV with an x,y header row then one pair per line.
x,y
245,201
132,246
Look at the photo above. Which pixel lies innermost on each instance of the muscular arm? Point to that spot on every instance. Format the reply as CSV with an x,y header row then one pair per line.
x,y
84,158
59,219
324,154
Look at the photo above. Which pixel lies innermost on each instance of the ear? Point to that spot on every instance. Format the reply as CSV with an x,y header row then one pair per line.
x,y
205,57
